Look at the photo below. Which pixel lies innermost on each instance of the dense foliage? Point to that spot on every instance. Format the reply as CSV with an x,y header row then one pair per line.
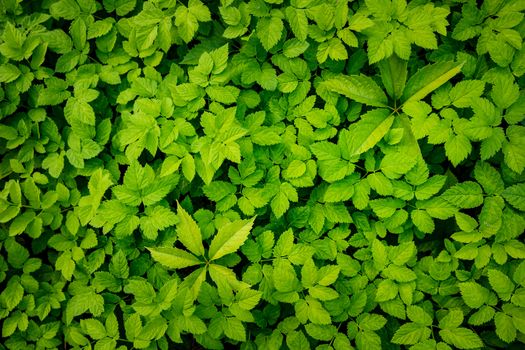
x,y
262,174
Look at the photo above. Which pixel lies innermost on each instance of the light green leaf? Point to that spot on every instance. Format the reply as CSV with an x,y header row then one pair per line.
x,y
452,320
457,148
474,295
359,88
366,133
419,315
422,220
234,329
173,258
465,195
428,79
8,73
394,75
505,328
269,31
501,284
464,93
411,333
515,195
462,338
230,238
386,290
94,328
189,233
298,22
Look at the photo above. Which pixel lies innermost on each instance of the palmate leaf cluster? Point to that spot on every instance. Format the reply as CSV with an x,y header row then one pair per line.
x,y
262,174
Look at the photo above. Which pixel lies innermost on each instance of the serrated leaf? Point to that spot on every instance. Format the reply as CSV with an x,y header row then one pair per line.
x,y
474,295
466,195
410,333
230,238
269,31
500,283
428,79
358,88
504,327
189,233
173,258
462,338
367,132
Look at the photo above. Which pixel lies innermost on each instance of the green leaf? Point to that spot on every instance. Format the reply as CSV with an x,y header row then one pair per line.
x,y
317,314
399,273
269,31
489,178
186,23
505,327
199,10
513,155
452,320
67,9
394,75
465,195
158,218
230,238
379,254
366,133
501,284
173,258
386,290
371,322
462,338
248,298
119,265
297,340
419,315
474,295
430,187
8,73
122,7
359,88
422,220
189,233
298,22
234,329
515,195
464,93
411,333
94,328
457,148
320,332
428,79
368,340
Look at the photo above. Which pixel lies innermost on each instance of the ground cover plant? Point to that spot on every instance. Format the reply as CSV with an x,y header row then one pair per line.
x,y
262,174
